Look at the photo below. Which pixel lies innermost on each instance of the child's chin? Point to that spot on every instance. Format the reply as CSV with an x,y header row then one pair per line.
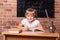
x,y
30,20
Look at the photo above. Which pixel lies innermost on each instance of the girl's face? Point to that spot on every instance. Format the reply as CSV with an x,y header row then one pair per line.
x,y
30,17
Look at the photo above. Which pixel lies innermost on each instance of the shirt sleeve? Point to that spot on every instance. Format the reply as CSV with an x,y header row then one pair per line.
x,y
23,22
37,21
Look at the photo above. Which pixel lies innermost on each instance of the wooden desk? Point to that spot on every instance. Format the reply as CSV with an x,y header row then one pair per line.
x,y
30,36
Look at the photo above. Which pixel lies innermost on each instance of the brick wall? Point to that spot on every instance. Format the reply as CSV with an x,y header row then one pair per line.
x,y
8,14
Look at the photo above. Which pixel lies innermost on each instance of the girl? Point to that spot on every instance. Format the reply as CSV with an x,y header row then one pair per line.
x,y
30,21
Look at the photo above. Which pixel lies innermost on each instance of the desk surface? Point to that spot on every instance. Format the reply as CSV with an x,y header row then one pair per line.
x,y
44,34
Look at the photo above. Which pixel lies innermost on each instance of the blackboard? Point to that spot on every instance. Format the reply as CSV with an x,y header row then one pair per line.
x,y
39,5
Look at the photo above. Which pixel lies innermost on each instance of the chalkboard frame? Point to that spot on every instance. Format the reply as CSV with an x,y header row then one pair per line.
x,y
39,5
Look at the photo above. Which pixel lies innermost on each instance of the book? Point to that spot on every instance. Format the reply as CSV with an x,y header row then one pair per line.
x,y
14,30
33,30
38,30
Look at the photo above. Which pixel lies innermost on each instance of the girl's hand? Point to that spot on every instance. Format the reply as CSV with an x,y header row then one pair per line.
x,y
25,28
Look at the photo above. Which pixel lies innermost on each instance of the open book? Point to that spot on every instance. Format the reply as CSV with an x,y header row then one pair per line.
x,y
35,30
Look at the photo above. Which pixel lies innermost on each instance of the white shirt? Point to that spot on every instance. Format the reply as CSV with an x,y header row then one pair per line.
x,y
26,23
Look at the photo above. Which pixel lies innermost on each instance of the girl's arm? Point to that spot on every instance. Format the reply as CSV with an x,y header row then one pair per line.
x,y
40,27
20,26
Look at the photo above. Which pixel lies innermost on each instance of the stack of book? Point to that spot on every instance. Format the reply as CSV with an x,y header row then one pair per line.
x,y
14,30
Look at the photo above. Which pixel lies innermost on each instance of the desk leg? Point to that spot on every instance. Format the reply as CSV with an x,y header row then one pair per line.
x,y
57,38
4,37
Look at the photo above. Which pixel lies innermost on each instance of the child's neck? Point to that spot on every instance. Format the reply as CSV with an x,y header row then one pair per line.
x,y
31,21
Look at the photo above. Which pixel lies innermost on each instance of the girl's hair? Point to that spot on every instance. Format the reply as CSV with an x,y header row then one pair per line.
x,y
31,10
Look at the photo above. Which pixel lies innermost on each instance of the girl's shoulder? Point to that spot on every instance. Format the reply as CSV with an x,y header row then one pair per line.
x,y
37,20
24,21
